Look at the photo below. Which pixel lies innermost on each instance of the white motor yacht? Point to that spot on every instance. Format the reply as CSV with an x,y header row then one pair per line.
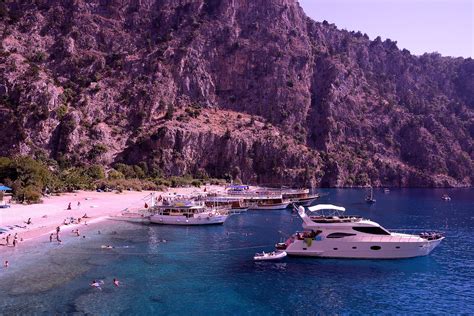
x,y
328,233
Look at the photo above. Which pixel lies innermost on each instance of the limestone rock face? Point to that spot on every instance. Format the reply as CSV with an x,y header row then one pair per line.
x,y
251,88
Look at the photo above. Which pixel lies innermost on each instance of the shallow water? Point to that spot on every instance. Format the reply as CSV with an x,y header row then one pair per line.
x,y
209,270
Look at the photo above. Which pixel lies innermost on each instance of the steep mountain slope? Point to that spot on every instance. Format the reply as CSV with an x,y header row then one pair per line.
x,y
121,80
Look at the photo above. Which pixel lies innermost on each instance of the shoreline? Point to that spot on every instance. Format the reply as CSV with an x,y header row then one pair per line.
x,y
53,212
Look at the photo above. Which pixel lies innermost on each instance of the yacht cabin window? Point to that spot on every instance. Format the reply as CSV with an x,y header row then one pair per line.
x,y
371,230
339,235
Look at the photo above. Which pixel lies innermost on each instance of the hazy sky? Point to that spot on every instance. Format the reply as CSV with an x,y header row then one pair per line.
x,y
445,26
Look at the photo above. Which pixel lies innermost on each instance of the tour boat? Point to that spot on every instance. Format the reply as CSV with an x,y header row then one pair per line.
x,y
186,213
234,204
275,255
270,204
327,233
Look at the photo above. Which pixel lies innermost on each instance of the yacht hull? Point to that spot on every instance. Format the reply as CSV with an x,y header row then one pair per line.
x,y
362,249
190,221
306,201
279,206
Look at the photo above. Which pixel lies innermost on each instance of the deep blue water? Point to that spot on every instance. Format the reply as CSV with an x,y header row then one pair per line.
x,y
209,270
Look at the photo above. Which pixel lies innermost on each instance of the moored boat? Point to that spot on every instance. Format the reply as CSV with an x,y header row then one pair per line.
x,y
370,198
187,213
446,197
328,233
266,256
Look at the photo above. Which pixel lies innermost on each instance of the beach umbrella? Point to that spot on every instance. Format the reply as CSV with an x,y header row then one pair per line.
x,y
4,188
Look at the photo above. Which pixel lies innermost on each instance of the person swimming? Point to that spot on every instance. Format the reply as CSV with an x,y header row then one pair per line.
x,y
96,284
116,282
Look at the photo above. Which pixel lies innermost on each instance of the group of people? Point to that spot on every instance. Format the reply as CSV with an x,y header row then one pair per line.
x,y
69,206
97,284
13,240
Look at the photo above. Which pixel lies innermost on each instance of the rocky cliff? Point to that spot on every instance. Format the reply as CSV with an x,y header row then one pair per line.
x,y
251,88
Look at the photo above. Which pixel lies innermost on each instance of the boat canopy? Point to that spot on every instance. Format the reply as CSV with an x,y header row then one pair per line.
x,y
4,188
326,207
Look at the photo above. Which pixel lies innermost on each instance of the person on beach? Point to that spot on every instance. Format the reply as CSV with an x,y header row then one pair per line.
x,y
28,222
69,206
51,237
8,239
15,237
78,204
116,282
77,233
58,229
6,264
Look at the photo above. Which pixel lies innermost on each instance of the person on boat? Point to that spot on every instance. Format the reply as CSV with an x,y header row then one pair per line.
x,y
116,282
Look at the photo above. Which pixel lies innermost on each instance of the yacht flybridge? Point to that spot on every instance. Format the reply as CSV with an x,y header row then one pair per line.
x,y
328,233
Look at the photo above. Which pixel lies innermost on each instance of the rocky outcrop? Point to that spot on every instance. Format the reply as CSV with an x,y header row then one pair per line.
x,y
109,81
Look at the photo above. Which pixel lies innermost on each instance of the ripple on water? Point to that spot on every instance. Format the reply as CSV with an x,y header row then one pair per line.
x,y
209,270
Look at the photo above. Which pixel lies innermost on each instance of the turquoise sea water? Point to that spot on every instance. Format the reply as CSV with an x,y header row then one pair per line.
x,y
209,270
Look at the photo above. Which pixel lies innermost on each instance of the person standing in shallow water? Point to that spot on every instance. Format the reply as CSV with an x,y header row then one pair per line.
x,y
6,264
8,239
51,237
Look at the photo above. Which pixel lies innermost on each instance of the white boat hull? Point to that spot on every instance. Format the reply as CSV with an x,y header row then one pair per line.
x,y
188,221
279,206
362,249
306,202
270,256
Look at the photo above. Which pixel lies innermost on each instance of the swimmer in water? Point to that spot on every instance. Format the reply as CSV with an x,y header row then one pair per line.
x,y
116,282
96,285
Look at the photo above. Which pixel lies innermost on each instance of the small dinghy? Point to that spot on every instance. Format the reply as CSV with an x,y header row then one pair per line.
x,y
275,255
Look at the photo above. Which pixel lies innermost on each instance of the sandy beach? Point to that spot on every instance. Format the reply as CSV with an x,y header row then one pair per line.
x,y
53,212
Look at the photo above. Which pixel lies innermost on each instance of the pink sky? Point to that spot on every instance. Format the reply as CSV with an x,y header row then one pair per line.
x,y
443,26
